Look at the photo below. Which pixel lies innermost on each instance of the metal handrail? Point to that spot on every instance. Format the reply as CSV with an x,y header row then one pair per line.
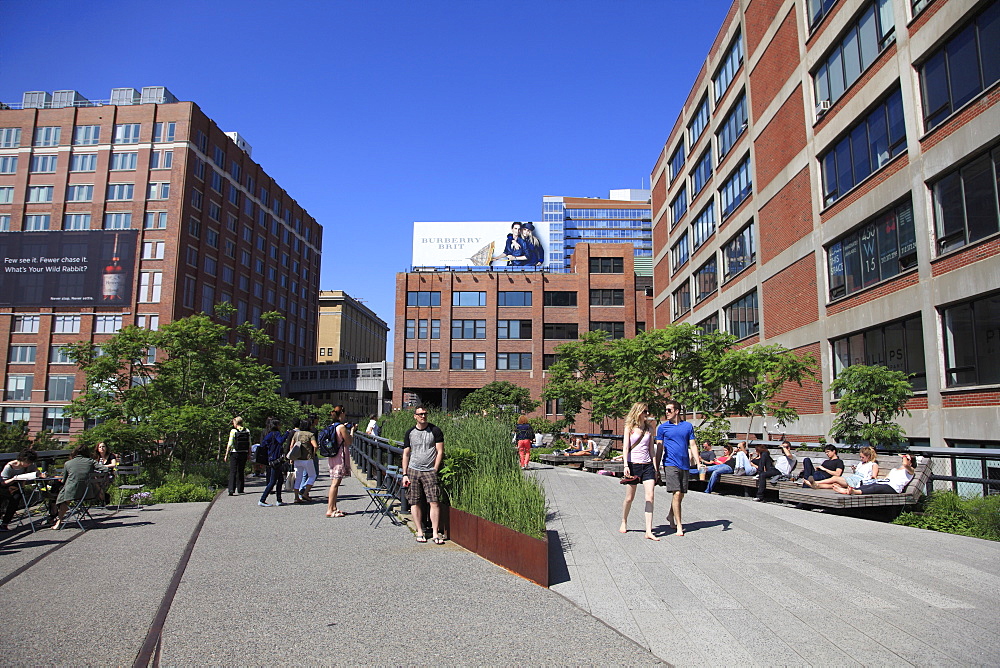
x,y
373,455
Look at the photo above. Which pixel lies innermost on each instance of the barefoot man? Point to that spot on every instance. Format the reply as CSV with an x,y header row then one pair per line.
x,y
679,450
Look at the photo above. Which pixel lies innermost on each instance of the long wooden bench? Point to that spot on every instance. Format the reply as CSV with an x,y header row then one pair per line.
x,y
827,498
578,462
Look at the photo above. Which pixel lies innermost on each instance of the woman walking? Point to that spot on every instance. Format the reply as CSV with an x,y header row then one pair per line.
x,y
339,464
274,444
301,455
524,434
640,455
237,451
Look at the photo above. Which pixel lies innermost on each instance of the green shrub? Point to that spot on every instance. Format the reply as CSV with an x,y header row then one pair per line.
x,y
535,452
181,492
948,512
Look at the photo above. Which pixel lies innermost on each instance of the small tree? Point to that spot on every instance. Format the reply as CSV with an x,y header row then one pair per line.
x,y
499,398
876,393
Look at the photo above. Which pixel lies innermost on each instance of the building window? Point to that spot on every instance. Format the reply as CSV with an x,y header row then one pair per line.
x,y
156,220
468,329
706,281
41,164
613,297
702,173
214,210
21,355
468,361
47,136
26,324
117,221
211,266
6,194
703,226
161,159
80,193
731,63
698,123
55,421
124,161
513,361
423,298
8,164
19,387
127,133
741,316
971,332
513,329
677,160
463,298
207,299
39,193
607,265
739,253
566,331
10,137
864,40
682,299
83,162
614,329
898,346
76,221
709,324
59,355
553,406
66,324
150,322
150,284
234,195
961,68
36,222
12,415
435,328
216,182
879,250
197,198
965,203
60,388
4,222
164,131
513,298
548,359
120,191
733,127
866,148
817,10
212,237
736,188
679,253
559,298
86,135
679,206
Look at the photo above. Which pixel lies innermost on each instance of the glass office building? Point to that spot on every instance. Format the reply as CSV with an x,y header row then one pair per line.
x,y
625,217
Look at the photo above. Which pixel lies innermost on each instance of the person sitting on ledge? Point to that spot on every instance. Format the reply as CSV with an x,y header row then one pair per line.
x,y
897,481
832,466
864,473
724,464
577,448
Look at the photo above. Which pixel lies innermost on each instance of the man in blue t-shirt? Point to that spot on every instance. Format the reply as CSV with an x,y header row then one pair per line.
x,y
679,451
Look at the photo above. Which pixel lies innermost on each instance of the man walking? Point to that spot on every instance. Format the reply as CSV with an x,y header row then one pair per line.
x,y
679,450
423,452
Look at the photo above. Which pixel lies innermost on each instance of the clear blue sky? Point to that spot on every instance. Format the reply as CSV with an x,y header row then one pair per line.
x,y
377,113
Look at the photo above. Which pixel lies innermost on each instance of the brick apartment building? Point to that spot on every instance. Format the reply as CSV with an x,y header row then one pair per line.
x,y
195,221
831,185
461,329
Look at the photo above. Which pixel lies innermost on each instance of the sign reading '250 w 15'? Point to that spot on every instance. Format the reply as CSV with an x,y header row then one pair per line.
x,y
71,268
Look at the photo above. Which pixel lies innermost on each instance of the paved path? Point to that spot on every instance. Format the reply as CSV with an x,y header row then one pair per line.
x,y
769,584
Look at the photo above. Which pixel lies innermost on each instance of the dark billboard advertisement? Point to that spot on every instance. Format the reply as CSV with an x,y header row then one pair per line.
x,y
72,268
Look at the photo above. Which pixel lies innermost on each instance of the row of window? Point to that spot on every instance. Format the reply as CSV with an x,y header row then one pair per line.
x,y
737,254
20,386
598,297
67,324
87,135
116,192
736,188
87,162
53,421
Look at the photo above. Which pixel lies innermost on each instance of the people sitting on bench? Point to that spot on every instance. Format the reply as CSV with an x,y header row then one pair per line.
x,y
743,463
765,469
723,465
832,466
864,473
577,448
897,481
785,462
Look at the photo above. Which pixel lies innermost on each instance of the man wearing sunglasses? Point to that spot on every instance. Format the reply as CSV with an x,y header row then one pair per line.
x,y
679,451
423,452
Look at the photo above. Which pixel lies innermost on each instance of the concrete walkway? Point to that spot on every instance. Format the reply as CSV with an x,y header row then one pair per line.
x,y
768,584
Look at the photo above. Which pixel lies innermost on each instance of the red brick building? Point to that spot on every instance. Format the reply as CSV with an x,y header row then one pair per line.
x,y
458,330
831,185
201,221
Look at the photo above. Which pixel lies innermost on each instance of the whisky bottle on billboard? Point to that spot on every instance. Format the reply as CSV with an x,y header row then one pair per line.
x,y
113,286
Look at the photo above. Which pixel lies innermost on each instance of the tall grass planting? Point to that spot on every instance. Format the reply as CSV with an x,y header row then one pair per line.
x,y
483,477
950,513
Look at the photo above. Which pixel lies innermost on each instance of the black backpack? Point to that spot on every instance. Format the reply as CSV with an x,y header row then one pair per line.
x,y
328,445
260,454
241,443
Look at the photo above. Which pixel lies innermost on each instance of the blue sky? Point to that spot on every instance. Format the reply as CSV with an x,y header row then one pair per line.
x,y
376,114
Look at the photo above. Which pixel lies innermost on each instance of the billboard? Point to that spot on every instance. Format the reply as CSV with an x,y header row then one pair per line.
x,y
67,268
500,245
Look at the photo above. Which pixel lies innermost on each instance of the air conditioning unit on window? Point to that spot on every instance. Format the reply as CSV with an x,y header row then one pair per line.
x,y
822,107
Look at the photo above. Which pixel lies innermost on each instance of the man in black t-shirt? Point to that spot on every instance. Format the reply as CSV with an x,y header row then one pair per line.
x,y
832,466
423,452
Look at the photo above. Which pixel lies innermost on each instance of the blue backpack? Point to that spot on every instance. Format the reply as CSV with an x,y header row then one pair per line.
x,y
328,445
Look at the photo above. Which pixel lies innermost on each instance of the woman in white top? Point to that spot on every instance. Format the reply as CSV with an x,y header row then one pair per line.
x,y
864,473
897,481
640,455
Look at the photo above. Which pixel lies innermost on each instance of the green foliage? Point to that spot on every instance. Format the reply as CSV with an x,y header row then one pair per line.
x,y
536,452
714,430
876,393
181,492
948,512
458,463
543,426
14,437
499,398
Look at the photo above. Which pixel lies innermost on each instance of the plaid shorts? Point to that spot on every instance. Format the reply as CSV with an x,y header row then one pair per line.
x,y
423,485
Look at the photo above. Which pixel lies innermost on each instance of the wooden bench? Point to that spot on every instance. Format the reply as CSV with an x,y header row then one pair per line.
x,y
604,446
827,498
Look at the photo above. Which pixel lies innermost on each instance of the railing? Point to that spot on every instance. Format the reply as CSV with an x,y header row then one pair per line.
x,y
949,455
373,454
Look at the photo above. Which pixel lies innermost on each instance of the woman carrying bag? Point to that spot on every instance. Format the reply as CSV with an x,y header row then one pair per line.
x,y
301,455
640,467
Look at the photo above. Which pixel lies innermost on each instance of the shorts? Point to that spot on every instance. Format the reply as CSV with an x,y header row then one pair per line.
x,y
423,485
676,479
645,471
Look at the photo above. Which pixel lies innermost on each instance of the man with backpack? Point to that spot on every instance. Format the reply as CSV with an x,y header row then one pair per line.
x,y
237,452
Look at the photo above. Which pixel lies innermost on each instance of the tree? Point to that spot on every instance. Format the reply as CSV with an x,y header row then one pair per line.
x,y
876,393
499,398
175,390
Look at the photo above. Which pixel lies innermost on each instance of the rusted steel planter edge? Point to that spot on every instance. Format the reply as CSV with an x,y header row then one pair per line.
x,y
521,554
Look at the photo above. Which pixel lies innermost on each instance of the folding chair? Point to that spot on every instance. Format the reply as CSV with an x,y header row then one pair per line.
x,y
79,508
381,497
127,472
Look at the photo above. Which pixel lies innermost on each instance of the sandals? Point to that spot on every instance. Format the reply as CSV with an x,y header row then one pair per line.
x,y
438,540
421,538
336,513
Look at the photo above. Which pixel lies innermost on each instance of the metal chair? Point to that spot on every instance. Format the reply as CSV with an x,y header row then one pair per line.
x,y
129,472
79,508
381,497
